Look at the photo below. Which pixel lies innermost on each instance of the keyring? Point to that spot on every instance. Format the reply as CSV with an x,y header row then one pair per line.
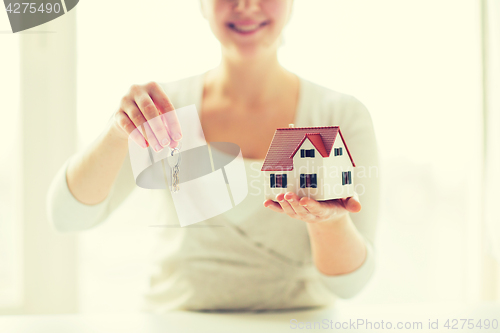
x,y
175,168
178,148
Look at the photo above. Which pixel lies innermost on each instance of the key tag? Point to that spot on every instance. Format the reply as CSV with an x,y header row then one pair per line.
x,y
175,167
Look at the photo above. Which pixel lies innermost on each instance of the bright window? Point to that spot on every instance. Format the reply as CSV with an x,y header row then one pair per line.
x,y
10,222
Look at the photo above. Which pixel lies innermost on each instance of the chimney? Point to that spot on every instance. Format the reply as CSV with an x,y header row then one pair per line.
x,y
291,126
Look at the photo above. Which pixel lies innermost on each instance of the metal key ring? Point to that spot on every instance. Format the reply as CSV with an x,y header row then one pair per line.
x,y
178,153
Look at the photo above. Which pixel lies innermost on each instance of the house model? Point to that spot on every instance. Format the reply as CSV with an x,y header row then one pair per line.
x,y
312,162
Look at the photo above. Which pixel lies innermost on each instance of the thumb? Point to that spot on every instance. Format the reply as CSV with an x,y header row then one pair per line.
x,y
352,204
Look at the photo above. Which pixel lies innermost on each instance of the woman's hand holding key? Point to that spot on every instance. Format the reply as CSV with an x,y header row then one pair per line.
x,y
148,117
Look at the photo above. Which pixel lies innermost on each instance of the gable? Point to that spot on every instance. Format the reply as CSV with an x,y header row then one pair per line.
x,y
347,148
316,141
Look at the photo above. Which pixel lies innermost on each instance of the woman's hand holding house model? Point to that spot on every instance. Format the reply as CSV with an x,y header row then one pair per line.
x,y
337,246
297,184
312,211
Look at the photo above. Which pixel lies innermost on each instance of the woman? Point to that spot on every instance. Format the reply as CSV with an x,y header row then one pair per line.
x,y
293,253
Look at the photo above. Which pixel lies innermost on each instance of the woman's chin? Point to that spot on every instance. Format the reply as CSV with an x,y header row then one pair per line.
x,y
249,50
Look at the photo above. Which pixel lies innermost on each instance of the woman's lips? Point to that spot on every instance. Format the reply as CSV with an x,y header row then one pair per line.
x,y
246,28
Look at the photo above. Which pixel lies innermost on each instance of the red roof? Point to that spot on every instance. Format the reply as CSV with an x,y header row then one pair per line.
x,y
287,141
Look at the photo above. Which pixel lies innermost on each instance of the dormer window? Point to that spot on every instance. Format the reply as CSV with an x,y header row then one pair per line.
x,y
306,153
337,151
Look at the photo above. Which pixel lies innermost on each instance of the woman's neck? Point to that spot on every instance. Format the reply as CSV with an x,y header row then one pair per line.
x,y
252,81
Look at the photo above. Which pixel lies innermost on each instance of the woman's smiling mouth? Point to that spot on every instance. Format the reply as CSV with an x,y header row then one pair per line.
x,y
245,28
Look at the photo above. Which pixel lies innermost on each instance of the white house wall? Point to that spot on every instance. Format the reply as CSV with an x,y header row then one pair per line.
x,y
334,166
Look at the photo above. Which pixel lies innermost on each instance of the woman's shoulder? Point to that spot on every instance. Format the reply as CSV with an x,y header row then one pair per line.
x,y
319,98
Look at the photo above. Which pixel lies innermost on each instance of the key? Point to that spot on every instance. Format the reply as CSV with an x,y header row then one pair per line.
x,y
175,168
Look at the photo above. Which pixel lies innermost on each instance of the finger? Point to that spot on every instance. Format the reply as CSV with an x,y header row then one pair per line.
x,y
273,206
167,112
128,126
319,209
293,200
132,110
136,116
173,126
352,204
159,97
287,209
152,115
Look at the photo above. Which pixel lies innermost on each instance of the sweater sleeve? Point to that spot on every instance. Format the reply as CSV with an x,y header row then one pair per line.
x,y
348,285
67,214
357,128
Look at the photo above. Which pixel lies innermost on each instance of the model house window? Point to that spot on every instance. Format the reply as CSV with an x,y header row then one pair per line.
x,y
308,180
278,180
337,151
306,153
346,178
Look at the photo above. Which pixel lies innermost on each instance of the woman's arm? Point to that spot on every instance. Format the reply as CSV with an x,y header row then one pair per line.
x,y
341,233
337,246
66,213
79,195
91,174
342,244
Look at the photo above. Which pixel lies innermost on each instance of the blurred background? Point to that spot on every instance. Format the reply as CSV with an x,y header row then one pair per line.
x,y
428,71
